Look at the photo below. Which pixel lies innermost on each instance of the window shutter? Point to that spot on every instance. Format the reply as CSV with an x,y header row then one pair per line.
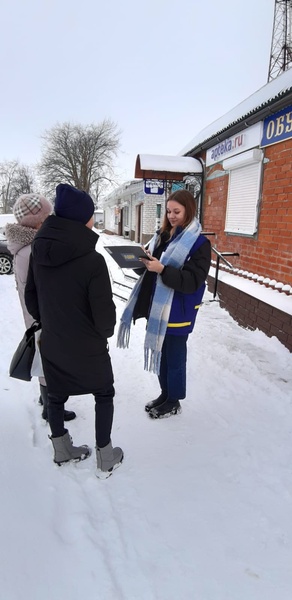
x,y
243,197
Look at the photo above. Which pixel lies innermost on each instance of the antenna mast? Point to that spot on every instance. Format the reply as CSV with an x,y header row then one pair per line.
x,y
281,48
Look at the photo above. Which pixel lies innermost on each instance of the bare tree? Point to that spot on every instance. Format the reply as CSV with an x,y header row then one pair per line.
x,y
23,182
81,155
15,179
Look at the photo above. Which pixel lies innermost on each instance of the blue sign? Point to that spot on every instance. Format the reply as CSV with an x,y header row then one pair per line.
x,y
178,185
277,127
154,186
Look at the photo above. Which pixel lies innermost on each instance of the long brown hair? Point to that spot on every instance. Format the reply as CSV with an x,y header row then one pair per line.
x,y
186,199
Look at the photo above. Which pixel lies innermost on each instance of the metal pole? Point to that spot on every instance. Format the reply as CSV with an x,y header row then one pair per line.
x,y
216,277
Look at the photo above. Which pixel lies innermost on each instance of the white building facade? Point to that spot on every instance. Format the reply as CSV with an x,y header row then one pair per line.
x,y
132,213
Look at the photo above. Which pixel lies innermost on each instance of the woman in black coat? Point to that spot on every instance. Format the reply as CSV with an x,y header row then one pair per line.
x,y
69,291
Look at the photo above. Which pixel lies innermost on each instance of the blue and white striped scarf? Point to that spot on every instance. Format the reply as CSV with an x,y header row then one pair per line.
x,y
175,255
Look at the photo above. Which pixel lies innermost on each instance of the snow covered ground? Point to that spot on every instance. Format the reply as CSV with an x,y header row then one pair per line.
x,y
201,508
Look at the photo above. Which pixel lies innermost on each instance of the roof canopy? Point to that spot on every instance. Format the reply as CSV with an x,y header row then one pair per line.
x,y
173,168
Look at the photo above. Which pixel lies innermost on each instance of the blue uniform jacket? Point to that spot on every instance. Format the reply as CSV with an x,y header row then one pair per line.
x,y
184,308
188,284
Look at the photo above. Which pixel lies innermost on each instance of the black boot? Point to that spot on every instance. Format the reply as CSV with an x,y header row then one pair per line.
x,y
44,401
155,403
69,415
166,409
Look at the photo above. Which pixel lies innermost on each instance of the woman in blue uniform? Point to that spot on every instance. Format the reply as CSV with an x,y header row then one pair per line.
x,y
168,294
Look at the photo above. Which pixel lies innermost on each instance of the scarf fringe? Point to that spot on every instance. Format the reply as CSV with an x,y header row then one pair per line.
x,y
123,338
152,359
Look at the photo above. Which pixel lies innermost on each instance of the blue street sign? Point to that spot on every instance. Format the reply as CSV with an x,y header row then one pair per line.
x,y
154,187
277,127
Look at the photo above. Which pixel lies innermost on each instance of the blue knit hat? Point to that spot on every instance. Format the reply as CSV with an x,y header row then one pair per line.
x,y
73,204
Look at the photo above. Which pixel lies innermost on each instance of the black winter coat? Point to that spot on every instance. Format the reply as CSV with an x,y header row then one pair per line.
x,y
68,289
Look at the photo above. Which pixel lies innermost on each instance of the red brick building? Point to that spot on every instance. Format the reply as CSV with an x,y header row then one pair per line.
x,y
247,202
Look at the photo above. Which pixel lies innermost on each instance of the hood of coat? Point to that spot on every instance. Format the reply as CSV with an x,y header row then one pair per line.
x,y
18,236
61,240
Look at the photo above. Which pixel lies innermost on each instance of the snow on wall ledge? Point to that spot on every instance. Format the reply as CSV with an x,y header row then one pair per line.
x,y
273,297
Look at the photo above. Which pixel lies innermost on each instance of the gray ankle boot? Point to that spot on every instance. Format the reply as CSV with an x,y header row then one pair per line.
x,y
108,459
65,451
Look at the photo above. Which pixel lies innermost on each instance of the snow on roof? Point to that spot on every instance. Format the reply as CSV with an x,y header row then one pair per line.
x,y
169,164
263,96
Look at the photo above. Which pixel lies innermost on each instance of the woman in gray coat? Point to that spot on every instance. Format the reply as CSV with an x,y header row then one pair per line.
x,y
30,211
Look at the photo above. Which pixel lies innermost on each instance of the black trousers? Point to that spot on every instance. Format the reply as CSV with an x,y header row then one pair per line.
x,y
104,412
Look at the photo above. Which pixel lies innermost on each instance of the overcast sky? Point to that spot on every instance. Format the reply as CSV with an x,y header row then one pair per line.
x,y
162,69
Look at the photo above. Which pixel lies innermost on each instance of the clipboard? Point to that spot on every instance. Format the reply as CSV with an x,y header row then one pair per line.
x,y
127,257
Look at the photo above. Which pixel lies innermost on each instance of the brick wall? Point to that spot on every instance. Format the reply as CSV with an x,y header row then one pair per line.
x,y
253,314
269,252
275,226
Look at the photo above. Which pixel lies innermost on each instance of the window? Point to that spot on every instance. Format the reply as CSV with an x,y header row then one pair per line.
x,y
126,215
243,191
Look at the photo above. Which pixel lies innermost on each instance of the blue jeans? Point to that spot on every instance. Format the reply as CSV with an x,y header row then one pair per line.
x,y
172,375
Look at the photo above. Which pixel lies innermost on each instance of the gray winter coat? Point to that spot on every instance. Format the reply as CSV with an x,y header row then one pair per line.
x,y
19,240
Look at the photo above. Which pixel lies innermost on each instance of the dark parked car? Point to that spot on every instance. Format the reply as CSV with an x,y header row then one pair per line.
x,y
6,258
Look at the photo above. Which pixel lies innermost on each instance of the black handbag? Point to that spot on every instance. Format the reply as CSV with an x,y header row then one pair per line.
x,y
20,366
